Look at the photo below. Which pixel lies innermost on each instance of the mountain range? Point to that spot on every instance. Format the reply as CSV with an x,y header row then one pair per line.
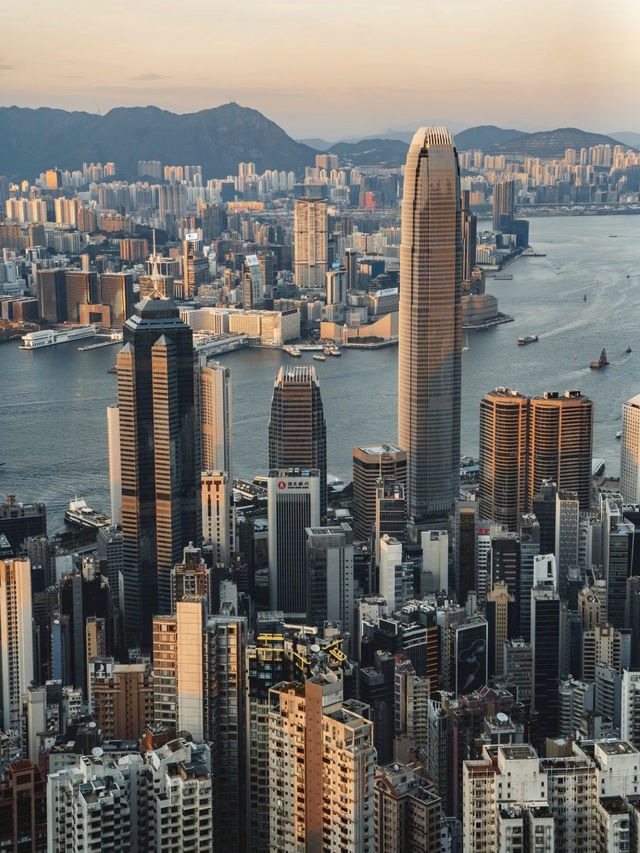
x,y
217,139
220,138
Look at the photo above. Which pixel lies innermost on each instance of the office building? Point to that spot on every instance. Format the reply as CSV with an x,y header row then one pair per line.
x,y
529,536
561,443
218,515
321,768
503,205
434,573
411,710
567,532
191,577
159,435
395,576
310,243
20,521
116,291
330,582
52,295
548,621
630,451
293,505
81,288
371,464
297,428
430,337
407,810
391,515
215,417
468,655
469,223
504,417
16,639
253,285
337,287
500,609
115,476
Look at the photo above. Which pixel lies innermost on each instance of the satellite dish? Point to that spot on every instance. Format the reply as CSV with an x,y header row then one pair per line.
x,y
97,752
315,649
502,718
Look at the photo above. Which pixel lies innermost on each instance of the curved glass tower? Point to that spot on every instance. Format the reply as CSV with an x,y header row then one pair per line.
x,y
429,354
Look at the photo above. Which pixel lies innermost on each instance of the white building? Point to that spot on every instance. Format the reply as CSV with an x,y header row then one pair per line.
x,y
218,514
630,707
215,417
435,561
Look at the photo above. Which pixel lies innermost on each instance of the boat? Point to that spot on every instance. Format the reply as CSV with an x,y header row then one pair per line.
x,y
293,351
112,370
503,276
628,350
51,337
80,515
619,434
327,350
585,297
334,351
465,348
529,339
319,357
602,361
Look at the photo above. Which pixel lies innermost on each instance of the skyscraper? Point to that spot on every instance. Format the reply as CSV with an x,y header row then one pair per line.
x,y
370,464
116,291
294,505
630,451
560,443
503,205
16,639
429,356
159,457
504,421
297,428
310,242
215,417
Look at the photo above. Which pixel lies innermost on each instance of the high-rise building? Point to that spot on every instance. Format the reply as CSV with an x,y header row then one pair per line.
x,y
116,291
407,810
469,225
548,620
81,288
293,505
159,453
23,809
330,582
500,610
215,417
371,464
430,324
391,514
504,422
567,531
19,521
503,205
218,513
115,476
310,242
321,768
16,639
561,443
121,698
630,451
52,295
297,428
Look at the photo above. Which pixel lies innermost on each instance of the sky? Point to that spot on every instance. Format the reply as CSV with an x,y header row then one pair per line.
x,y
335,69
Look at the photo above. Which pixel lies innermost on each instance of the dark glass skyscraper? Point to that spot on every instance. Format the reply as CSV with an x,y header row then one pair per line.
x,y
297,428
429,356
159,452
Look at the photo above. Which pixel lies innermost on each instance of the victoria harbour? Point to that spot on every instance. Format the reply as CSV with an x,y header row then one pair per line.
x,y
54,434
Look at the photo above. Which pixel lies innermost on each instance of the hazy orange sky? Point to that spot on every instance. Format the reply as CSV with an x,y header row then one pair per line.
x,y
335,68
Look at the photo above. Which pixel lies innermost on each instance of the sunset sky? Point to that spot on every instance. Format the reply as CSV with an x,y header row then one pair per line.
x,y
336,68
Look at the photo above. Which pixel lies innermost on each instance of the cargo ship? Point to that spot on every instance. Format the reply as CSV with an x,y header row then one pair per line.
x,y
529,339
80,515
602,361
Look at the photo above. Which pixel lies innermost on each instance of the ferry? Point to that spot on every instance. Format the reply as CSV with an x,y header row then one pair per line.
x,y
529,339
334,351
319,357
619,434
293,351
327,350
51,337
81,515
602,361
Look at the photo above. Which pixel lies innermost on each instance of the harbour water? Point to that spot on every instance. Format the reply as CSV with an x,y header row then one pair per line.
x,y
53,435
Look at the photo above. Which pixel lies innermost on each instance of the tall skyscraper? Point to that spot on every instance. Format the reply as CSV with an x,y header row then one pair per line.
x,y
16,639
330,583
116,291
469,226
371,464
504,428
310,242
297,428
630,451
503,205
159,451
215,417
293,505
429,356
561,443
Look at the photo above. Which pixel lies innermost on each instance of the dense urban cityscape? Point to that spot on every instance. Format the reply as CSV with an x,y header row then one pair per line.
x,y
239,650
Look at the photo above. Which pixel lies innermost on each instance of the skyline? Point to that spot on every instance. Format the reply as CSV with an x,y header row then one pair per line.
x,y
504,70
